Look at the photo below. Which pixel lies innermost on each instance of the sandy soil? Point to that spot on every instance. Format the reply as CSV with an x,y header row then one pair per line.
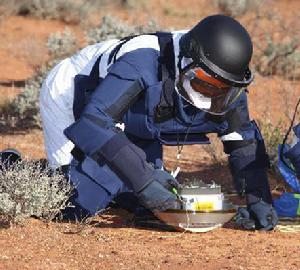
x,y
111,241
111,244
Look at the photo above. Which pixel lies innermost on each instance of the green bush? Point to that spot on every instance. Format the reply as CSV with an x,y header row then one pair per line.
x,y
30,188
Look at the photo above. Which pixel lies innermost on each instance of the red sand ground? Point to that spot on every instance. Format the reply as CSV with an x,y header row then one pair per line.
x,y
111,241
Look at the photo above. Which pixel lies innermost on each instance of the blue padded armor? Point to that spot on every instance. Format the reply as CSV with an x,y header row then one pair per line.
x,y
293,154
95,134
248,159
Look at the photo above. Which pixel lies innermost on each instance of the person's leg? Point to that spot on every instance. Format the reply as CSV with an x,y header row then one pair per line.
x,y
94,188
97,185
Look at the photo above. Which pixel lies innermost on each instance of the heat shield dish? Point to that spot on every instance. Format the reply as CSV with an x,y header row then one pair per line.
x,y
197,221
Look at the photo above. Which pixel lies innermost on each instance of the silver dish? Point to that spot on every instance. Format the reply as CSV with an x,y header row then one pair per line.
x,y
197,221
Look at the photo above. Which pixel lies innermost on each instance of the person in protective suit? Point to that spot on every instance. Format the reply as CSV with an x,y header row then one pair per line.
x,y
293,154
288,202
108,110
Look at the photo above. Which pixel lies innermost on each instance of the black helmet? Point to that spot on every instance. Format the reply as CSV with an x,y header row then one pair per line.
x,y
222,47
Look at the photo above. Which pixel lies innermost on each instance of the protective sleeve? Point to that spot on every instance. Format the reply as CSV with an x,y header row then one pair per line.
x,y
95,134
293,154
96,125
248,159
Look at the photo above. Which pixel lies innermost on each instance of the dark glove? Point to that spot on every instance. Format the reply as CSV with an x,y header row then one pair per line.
x,y
165,179
258,215
157,195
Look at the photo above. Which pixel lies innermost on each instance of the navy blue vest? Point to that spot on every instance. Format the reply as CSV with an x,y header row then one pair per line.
x,y
187,124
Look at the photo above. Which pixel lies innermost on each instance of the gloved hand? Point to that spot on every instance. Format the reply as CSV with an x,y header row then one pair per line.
x,y
165,179
157,195
258,215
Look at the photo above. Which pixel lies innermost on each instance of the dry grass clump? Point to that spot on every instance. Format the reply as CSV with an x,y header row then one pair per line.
x,y
111,27
276,52
62,44
68,11
235,8
278,57
23,111
29,188
130,4
273,135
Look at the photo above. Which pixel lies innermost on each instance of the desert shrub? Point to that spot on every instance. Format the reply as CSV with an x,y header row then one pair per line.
x,y
7,119
236,8
278,57
276,52
273,135
69,11
169,9
62,44
111,27
25,107
23,111
130,4
216,150
31,188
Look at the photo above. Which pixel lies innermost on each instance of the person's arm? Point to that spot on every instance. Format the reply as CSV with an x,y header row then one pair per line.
x,y
293,154
96,136
248,163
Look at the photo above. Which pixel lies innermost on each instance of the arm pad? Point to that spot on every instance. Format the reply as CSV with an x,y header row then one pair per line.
x,y
293,154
